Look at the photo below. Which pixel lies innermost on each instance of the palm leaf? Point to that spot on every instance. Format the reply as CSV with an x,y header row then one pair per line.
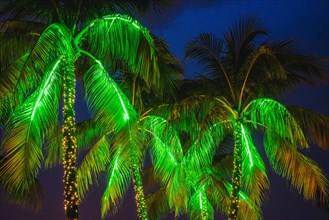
x,y
166,150
122,38
254,179
157,204
275,118
239,39
105,99
9,77
92,165
18,37
303,173
26,129
118,182
200,207
315,125
53,42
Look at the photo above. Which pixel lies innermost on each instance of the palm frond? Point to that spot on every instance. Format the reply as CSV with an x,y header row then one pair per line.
x,y
247,208
207,50
199,206
254,179
157,204
17,37
178,190
53,42
214,185
274,117
92,165
9,77
303,173
53,145
88,132
315,125
119,37
166,150
118,181
27,126
112,108
239,40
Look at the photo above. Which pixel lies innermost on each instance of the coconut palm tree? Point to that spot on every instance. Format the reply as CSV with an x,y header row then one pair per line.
x,y
190,182
123,145
242,77
48,70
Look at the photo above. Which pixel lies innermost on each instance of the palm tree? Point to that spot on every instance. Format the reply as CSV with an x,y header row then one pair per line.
x,y
127,144
243,77
190,182
49,65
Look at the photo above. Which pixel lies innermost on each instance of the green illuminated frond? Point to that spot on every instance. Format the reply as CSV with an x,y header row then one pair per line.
x,y
25,132
53,42
178,191
303,173
254,179
53,145
214,188
120,38
118,181
93,164
199,206
106,100
166,150
276,119
88,133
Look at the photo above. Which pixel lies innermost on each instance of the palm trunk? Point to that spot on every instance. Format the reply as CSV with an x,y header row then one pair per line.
x,y
236,175
138,188
71,199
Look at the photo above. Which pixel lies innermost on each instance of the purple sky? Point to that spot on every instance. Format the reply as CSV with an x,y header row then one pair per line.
x,y
307,21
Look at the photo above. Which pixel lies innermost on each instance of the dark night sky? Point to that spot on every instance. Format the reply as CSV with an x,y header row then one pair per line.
x,y
307,21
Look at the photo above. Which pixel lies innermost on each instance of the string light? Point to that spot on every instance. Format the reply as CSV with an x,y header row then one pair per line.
x,y
71,198
139,194
237,172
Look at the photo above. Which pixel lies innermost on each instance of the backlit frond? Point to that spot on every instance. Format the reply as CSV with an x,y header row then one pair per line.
x,y
199,206
166,150
26,128
157,204
119,37
53,145
53,42
315,125
303,173
118,181
88,133
93,164
105,99
254,179
276,119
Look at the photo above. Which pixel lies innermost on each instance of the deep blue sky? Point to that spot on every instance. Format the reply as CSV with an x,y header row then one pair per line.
x,y
307,21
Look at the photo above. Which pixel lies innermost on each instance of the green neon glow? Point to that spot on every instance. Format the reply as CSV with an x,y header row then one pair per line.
x,y
114,168
126,115
165,148
200,196
44,88
247,145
